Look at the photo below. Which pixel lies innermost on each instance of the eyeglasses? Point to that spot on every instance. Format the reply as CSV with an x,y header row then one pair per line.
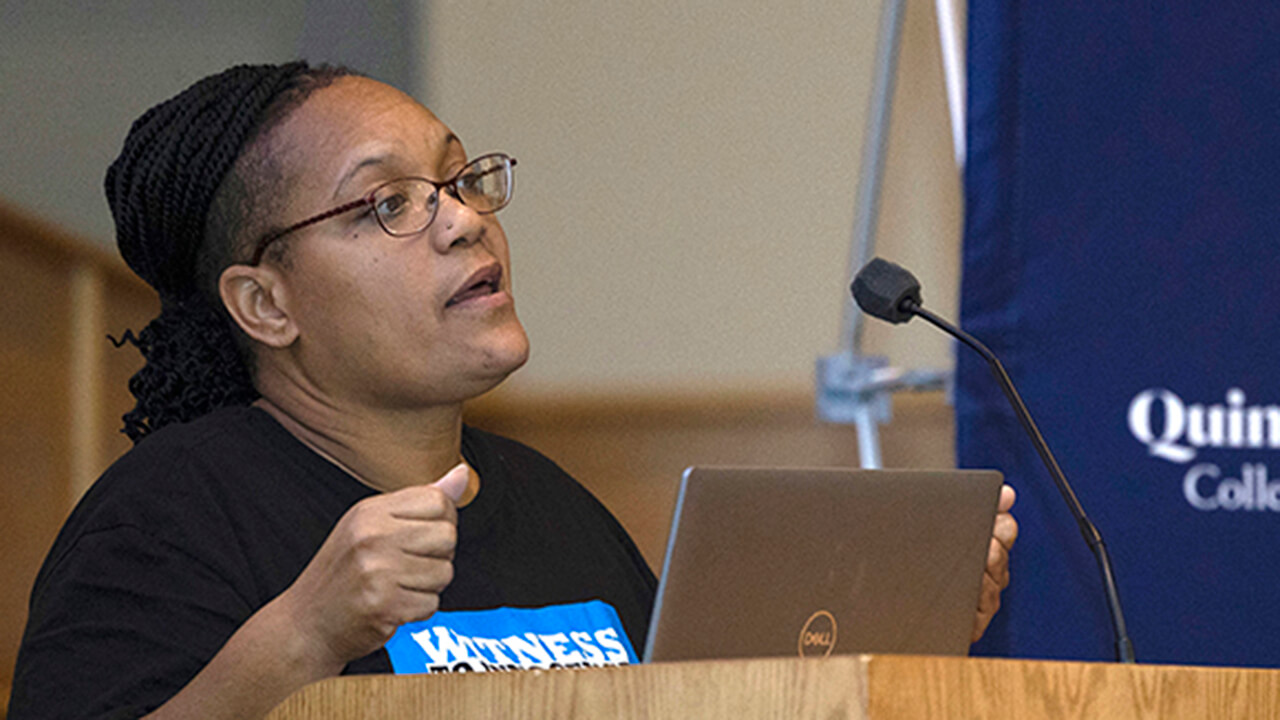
x,y
406,206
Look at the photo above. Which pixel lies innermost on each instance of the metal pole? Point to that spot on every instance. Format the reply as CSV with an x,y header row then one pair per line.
x,y
874,145
853,388
951,40
868,438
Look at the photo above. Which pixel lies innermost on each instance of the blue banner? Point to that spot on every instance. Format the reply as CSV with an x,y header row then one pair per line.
x,y
1122,256
586,634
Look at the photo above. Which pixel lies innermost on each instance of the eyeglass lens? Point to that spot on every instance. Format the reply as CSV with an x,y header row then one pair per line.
x,y
409,205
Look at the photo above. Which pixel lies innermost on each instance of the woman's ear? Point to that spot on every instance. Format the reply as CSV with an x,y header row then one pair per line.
x,y
257,300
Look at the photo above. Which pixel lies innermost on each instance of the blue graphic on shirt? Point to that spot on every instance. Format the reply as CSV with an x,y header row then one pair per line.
x,y
586,634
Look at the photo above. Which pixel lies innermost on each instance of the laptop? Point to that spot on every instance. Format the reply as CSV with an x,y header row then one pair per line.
x,y
810,562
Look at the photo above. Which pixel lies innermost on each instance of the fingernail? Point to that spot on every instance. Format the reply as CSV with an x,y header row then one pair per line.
x,y
454,482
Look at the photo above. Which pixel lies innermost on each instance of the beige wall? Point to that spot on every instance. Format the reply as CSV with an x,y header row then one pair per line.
x,y
687,178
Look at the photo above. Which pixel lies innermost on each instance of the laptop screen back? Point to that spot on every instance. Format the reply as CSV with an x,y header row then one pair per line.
x,y
785,562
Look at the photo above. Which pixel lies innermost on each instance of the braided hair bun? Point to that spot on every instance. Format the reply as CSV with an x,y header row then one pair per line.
x,y
176,159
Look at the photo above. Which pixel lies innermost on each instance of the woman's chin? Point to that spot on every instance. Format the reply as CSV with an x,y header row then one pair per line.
x,y
505,355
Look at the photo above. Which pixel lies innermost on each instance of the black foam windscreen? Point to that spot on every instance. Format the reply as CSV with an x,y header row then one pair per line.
x,y
881,286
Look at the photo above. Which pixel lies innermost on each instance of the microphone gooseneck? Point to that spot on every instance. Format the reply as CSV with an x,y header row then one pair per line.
x,y
893,294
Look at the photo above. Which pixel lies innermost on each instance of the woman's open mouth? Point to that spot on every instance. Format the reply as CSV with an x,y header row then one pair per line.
x,y
483,283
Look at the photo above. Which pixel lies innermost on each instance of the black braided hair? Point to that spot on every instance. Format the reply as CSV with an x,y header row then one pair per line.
x,y
188,195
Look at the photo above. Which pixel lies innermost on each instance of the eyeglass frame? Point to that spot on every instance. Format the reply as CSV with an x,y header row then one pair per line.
x,y
450,185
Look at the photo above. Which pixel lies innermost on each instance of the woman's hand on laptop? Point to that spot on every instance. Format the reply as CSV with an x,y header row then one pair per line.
x,y
996,576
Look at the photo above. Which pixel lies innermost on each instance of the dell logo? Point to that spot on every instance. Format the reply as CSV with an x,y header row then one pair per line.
x,y
818,636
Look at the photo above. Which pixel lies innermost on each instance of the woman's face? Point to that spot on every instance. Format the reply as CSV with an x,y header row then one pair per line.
x,y
389,322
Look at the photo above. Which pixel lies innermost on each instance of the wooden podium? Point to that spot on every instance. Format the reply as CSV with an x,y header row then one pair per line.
x,y
847,686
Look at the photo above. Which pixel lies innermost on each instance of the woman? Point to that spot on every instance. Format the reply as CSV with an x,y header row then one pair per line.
x,y
334,284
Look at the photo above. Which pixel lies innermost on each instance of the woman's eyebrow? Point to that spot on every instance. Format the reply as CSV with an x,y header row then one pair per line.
x,y
371,161
379,159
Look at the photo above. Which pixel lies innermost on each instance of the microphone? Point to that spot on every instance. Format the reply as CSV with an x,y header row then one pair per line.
x,y
890,292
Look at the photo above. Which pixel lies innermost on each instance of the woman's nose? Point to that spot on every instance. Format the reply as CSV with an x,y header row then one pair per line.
x,y
456,223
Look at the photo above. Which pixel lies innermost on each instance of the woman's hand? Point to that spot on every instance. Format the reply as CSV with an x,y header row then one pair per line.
x,y
384,564
996,576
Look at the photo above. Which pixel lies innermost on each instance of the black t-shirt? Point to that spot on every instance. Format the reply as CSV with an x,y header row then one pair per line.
x,y
202,524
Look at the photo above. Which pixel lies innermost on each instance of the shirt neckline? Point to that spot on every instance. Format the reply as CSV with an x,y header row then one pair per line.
x,y
473,520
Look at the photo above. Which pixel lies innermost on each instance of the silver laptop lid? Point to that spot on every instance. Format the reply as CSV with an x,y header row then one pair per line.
x,y
777,562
